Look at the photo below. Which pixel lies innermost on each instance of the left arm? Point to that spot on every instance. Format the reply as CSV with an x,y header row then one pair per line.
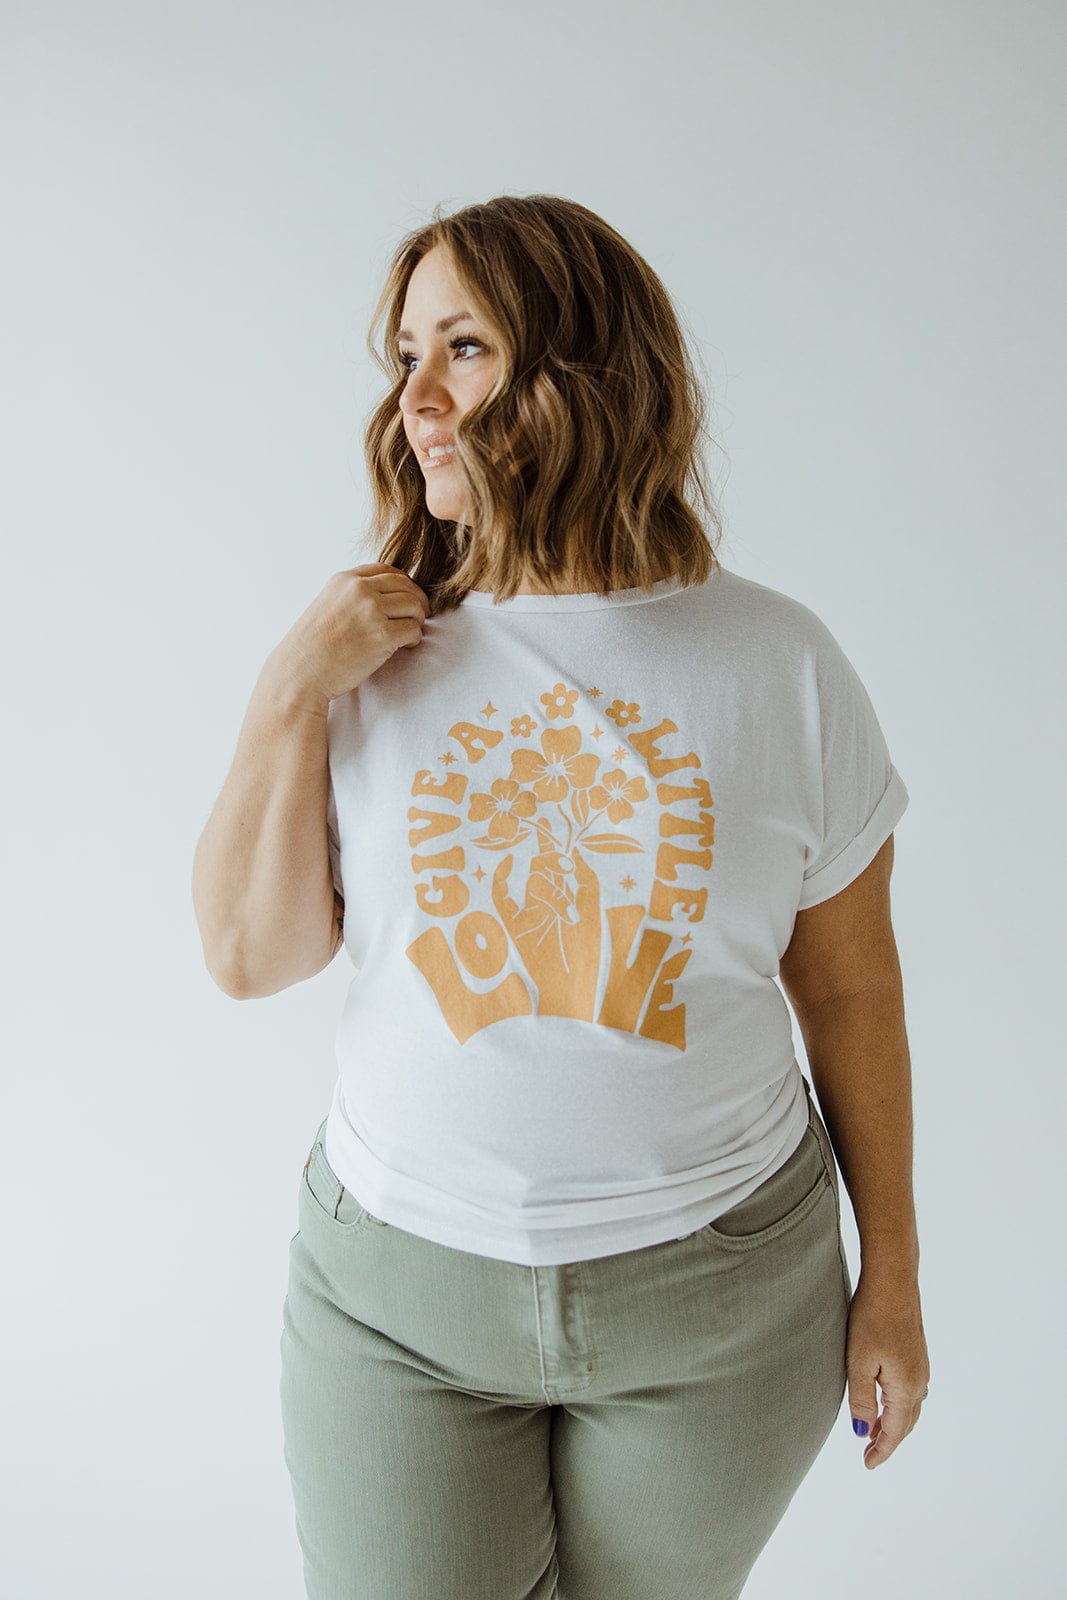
x,y
841,974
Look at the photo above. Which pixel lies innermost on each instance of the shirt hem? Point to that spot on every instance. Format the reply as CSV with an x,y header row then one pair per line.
x,y
556,1246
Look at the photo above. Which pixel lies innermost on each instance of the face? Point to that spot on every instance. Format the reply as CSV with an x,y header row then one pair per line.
x,y
449,370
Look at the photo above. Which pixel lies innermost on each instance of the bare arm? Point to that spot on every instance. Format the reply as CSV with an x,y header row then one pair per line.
x,y
263,891
842,976
262,886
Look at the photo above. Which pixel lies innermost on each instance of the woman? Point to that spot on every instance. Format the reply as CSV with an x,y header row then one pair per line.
x,y
568,1311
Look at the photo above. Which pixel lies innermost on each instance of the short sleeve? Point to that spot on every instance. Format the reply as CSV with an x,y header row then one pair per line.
x,y
863,795
334,841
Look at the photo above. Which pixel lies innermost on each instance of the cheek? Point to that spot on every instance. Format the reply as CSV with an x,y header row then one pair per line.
x,y
478,385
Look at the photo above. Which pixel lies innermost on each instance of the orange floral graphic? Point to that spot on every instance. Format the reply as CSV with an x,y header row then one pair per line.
x,y
556,767
622,712
616,793
560,703
544,938
503,805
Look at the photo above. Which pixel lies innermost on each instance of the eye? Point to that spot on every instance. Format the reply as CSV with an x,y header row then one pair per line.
x,y
405,357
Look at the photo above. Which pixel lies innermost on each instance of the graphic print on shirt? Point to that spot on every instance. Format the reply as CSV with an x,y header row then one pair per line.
x,y
517,857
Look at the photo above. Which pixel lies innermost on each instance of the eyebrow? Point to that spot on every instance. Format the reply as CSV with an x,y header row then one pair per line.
x,y
442,327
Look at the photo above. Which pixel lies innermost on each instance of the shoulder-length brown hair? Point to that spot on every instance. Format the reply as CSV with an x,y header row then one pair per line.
x,y
581,459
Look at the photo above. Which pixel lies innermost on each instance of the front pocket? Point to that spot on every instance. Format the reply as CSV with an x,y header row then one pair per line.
x,y
324,1191
781,1201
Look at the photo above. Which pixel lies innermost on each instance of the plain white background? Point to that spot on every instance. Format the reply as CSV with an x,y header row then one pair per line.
x,y
859,210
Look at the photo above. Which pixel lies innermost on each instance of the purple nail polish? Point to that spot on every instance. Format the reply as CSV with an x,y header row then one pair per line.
x,y
859,1426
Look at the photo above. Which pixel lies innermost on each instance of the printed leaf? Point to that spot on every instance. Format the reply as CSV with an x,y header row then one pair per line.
x,y
611,843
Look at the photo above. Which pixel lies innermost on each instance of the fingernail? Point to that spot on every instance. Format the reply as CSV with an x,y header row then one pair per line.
x,y
859,1426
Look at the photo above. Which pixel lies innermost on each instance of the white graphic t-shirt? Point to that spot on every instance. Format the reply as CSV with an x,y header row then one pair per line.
x,y
572,833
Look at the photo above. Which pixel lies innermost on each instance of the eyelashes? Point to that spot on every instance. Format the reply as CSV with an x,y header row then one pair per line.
x,y
405,357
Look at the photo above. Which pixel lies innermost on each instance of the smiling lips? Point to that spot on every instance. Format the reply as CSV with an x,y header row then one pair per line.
x,y
440,456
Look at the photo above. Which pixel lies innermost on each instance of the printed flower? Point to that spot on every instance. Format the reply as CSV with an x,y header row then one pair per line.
x,y
615,792
557,767
504,806
560,703
623,711
522,727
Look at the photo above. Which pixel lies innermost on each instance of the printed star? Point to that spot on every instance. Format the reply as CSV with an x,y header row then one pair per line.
x,y
479,872
629,883
620,753
597,733
593,693
447,758
489,710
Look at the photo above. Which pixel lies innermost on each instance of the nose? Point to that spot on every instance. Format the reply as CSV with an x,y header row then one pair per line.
x,y
421,388
423,404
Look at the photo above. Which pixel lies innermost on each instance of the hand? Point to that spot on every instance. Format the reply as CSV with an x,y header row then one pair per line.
x,y
885,1341
557,929
353,625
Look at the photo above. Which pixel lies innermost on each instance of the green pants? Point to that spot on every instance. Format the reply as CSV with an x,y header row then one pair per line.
x,y
627,1428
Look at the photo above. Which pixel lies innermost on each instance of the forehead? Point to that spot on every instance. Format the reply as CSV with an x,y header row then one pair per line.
x,y
432,282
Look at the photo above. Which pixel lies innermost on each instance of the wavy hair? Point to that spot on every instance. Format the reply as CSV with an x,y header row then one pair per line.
x,y
583,457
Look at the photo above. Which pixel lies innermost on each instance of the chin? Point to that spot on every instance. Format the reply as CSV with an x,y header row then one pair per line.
x,y
449,507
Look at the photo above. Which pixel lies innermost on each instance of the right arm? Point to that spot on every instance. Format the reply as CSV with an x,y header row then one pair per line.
x,y
263,891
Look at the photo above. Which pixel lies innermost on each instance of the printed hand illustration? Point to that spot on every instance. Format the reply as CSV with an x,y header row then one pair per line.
x,y
557,931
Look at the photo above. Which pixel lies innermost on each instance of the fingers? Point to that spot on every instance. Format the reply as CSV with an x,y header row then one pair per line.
x,y
884,1432
895,1423
507,907
885,1346
863,1403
